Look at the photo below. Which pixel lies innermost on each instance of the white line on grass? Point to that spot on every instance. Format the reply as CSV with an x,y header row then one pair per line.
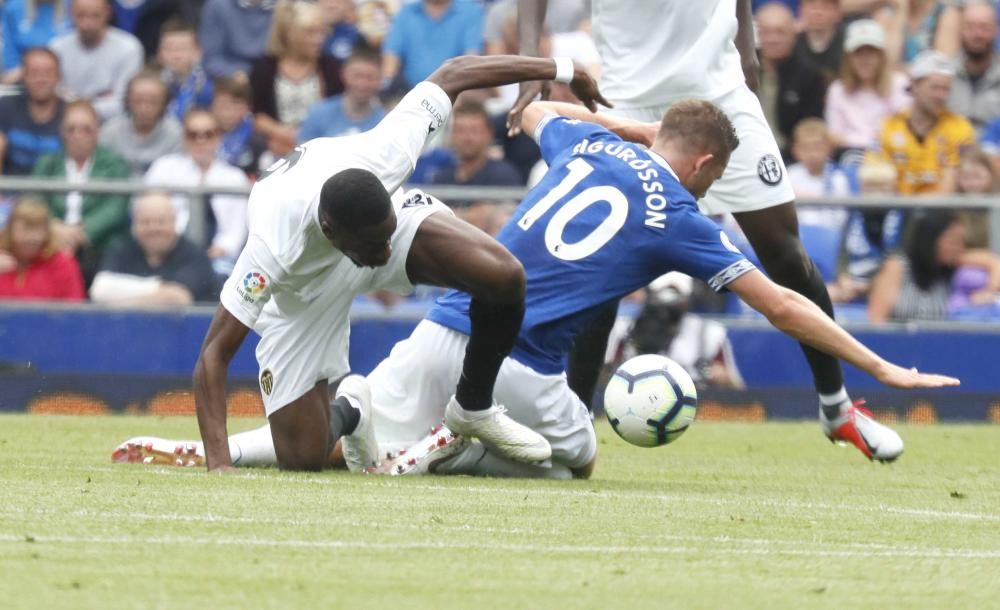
x,y
541,549
454,529
395,484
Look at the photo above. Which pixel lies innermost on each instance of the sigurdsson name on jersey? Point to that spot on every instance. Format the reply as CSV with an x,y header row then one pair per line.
x,y
645,171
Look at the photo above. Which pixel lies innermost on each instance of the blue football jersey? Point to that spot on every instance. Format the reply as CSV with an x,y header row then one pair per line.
x,y
607,219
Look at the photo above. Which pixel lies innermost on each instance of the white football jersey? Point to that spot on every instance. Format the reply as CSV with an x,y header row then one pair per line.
x,y
658,51
286,252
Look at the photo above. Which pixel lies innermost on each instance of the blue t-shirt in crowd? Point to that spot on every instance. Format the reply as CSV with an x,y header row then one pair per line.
x,y
26,139
608,218
127,13
422,44
327,119
19,34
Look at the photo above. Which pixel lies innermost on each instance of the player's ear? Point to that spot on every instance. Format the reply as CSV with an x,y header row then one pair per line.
x,y
702,161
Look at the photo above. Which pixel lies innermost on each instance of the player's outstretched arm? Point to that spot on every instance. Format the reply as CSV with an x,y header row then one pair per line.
x,y
627,129
799,317
224,337
746,44
476,72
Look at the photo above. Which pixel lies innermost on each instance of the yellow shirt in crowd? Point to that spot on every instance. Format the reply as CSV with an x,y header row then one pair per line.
x,y
919,163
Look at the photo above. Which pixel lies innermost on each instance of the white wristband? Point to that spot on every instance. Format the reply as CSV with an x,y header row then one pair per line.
x,y
564,69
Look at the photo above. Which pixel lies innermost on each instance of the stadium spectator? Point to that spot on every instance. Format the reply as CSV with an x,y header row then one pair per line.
x,y
926,141
144,19
976,176
32,266
471,140
821,41
868,90
343,37
240,145
145,132
357,109
28,24
456,28
233,35
29,121
199,164
561,16
790,88
814,174
870,234
975,91
665,326
86,224
923,25
918,285
155,266
294,74
179,57
793,5
374,19
97,60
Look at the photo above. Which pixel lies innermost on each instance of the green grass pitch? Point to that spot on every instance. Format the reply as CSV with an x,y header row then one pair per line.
x,y
730,516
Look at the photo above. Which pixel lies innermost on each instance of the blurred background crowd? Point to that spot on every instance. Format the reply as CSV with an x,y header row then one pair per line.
x,y
881,98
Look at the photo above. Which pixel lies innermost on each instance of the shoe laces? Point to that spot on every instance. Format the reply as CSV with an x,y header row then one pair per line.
x,y
858,406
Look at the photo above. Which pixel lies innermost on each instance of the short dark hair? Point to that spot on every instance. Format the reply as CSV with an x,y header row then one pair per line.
x,y
354,199
921,250
238,88
177,25
701,127
364,54
472,108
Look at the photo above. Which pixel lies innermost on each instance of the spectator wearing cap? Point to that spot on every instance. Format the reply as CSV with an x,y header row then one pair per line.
x,y
975,91
926,142
233,35
821,40
868,90
344,36
425,34
791,88
145,132
354,111
29,121
28,24
97,60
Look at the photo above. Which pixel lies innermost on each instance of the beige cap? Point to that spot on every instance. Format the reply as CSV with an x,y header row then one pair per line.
x,y
864,33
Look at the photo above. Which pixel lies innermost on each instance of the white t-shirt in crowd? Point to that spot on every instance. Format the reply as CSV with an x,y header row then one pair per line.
x,y
656,51
230,211
286,247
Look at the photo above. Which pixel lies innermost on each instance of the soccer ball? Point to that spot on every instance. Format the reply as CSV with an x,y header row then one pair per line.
x,y
650,400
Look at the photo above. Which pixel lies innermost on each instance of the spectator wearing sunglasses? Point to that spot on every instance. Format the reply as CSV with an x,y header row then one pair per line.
x,y
224,218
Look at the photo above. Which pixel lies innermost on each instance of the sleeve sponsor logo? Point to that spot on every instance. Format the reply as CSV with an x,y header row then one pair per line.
x,y
252,286
435,114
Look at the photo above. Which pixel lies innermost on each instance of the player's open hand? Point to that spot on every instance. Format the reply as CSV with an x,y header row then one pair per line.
x,y
584,87
221,469
527,92
898,377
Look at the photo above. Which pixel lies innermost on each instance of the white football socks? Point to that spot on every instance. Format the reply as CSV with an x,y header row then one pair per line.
x,y
832,404
253,448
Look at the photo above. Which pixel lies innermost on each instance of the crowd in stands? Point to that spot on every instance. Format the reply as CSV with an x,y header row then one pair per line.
x,y
865,97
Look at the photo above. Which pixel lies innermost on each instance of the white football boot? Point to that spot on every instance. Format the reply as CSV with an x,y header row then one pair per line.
x,y
160,452
857,426
360,447
424,456
494,428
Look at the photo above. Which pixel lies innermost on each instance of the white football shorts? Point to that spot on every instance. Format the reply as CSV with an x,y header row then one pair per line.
x,y
411,387
756,177
305,341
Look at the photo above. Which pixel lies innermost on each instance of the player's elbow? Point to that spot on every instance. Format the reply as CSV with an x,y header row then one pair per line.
x,y
449,75
511,281
783,313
